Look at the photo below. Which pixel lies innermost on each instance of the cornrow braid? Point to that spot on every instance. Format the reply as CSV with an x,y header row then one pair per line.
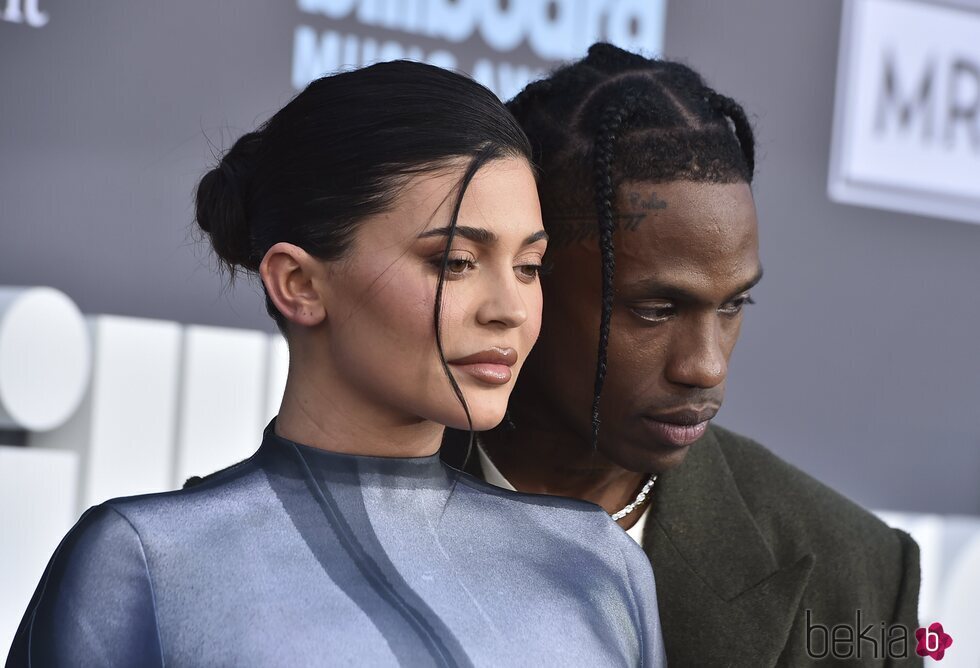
x,y
743,129
613,117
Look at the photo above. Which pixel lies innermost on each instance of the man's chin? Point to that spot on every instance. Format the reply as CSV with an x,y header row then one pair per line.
x,y
651,458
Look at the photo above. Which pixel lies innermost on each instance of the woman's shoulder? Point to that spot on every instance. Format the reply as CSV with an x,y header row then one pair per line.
x,y
104,567
97,576
184,519
224,488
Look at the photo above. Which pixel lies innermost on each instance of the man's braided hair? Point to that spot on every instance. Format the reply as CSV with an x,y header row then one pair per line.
x,y
616,116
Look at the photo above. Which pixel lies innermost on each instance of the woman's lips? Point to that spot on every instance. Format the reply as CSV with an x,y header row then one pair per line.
x,y
495,374
490,366
677,435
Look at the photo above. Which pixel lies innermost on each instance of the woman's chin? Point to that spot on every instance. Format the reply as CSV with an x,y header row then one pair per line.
x,y
484,418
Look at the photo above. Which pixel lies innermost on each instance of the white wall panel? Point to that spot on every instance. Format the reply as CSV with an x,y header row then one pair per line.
x,y
278,368
37,507
949,555
126,428
45,358
222,398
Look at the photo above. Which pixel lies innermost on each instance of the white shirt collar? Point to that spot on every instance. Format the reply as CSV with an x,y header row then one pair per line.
x,y
492,475
490,471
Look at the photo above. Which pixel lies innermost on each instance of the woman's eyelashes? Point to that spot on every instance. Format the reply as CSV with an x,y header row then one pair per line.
x,y
545,267
661,312
531,269
460,264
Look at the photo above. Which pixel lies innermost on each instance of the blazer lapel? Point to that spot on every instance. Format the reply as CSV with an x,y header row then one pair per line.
x,y
720,590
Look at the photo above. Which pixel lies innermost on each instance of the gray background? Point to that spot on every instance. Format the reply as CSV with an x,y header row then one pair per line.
x,y
858,364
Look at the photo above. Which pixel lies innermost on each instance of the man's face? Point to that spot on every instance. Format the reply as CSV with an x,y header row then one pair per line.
x,y
686,258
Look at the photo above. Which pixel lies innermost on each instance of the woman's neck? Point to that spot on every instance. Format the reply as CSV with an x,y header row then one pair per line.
x,y
328,416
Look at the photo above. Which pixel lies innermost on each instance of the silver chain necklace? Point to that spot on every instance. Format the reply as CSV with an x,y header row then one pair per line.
x,y
638,501
629,508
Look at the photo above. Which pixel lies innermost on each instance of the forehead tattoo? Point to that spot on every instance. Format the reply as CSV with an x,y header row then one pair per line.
x,y
571,228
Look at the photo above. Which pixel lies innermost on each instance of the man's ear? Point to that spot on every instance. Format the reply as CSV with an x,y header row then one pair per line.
x,y
293,280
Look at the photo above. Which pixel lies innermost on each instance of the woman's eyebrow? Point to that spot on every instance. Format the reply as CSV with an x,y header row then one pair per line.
x,y
537,236
479,235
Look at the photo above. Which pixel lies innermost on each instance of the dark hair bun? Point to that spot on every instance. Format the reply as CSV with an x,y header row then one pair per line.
x,y
221,204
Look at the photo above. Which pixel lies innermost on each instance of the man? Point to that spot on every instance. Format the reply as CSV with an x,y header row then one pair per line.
x,y
645,189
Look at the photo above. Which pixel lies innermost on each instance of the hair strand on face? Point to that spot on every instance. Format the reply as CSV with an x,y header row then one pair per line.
x,y
483,156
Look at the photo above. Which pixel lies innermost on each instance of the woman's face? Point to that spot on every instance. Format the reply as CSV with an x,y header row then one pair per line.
x,y
380,310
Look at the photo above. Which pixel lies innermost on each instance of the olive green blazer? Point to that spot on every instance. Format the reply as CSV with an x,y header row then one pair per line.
x,y
756,563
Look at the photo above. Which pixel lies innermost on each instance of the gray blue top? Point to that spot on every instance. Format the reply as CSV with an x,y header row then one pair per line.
x,y
298,556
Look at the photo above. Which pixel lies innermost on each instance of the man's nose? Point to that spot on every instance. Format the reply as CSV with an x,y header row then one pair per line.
x,y
698,354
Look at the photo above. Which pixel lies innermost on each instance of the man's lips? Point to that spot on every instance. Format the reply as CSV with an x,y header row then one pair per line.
x,y
680,428
490,366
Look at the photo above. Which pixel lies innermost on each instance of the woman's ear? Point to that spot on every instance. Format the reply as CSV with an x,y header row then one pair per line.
x,y
294,282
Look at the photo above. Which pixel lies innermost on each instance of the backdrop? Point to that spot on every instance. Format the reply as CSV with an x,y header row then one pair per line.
x,y
859,363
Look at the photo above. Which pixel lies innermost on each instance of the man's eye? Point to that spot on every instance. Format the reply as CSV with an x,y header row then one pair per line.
x,y
653,313
734,307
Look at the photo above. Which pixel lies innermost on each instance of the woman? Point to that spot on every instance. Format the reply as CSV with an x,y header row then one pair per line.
x,y
392,216
645,185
